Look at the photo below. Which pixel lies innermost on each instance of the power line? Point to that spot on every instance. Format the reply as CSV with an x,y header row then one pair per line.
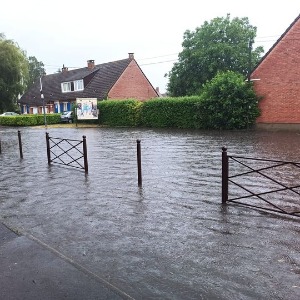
x,y
166,55
159,62
158,56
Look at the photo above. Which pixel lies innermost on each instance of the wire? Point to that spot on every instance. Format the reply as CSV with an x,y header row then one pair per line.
x,y
158,56
259,40
159,62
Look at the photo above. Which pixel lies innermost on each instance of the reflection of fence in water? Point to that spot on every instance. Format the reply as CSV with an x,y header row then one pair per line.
x,y
67,152
11,145
271,185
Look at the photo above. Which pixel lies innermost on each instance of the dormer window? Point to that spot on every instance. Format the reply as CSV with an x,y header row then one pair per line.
x,y
72,86
66,87
78,85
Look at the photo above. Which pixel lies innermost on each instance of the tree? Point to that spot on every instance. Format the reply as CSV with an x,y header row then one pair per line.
x,y
227,102
36,69
219,45
13,73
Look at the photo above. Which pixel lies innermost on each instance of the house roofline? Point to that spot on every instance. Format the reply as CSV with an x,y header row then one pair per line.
x,y
275,44
147,79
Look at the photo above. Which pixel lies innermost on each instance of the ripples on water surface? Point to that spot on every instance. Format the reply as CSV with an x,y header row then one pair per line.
x,y
169,240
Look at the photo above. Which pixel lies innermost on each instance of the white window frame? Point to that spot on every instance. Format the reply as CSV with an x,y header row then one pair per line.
x,y
78,85
65,106
66,87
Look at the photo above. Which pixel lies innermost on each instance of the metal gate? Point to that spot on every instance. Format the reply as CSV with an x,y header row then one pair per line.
x,y
67,152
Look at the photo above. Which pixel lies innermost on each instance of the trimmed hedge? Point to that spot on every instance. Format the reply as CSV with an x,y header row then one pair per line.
x,y
119,112
157,112
169,112
29,120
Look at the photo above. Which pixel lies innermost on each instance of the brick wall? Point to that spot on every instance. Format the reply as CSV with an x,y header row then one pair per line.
x,y
279,80
132,84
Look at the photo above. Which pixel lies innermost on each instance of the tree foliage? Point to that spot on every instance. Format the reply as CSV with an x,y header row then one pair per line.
x,y
36,69
228,102
219,45
13,73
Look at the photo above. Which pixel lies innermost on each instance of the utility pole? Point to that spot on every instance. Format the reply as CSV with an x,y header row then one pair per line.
x,y
250,57
43,99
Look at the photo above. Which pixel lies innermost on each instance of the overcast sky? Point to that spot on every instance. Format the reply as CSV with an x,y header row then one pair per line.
x,y
68,32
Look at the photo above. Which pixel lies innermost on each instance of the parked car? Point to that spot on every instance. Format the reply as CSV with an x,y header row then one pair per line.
x,y
67,116
9,113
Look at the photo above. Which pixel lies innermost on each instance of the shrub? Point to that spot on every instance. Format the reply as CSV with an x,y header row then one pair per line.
x,y
29,120
119,112
169,112
228,102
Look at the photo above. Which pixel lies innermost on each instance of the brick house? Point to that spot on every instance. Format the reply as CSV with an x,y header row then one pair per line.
x,y
120,79
277,79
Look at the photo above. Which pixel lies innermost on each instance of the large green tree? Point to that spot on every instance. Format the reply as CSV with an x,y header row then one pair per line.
x,y
13,73
36,69
219,45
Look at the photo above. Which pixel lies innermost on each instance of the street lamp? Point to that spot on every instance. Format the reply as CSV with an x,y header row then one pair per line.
x,y
43,99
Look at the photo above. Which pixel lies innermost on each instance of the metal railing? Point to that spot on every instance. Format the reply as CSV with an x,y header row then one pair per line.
x,y
271,186
67,152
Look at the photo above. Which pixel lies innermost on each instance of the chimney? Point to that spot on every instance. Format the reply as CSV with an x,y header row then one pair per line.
x,y
131,55
90,64
64,69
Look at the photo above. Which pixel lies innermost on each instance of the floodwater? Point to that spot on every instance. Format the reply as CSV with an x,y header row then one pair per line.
x,y
170,239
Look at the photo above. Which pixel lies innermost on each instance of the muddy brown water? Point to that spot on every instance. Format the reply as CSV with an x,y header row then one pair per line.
x,y
170,239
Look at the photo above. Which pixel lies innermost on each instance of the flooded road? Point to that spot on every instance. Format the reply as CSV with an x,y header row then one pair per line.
x,y
170,239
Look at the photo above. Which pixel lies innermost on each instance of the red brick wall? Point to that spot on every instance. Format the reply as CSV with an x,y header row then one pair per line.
x,y
279,80
132,84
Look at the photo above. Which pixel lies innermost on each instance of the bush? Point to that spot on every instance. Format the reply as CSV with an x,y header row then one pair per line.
x,y
119,112
29,120
228,102
169,112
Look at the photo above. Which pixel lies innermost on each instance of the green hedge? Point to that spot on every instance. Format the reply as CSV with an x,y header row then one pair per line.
x,y
29,120
119,112
169,112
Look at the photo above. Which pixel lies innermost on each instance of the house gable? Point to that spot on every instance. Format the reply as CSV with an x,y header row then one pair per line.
x,y
132,84
118,79
277,79
105,78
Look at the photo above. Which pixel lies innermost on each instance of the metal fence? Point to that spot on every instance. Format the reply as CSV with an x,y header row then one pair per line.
x,y
261,183
71,153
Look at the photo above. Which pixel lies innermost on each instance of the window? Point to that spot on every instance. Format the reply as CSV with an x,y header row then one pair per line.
x,y
72,86
66,87
65,106
78,85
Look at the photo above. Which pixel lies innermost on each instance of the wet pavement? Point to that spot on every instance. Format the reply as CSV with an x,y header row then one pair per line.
x,y
170,239
32,270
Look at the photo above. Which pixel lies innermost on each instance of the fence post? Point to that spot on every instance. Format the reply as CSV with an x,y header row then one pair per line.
x,y
48,148
139,162
20,144
224,175
86,168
